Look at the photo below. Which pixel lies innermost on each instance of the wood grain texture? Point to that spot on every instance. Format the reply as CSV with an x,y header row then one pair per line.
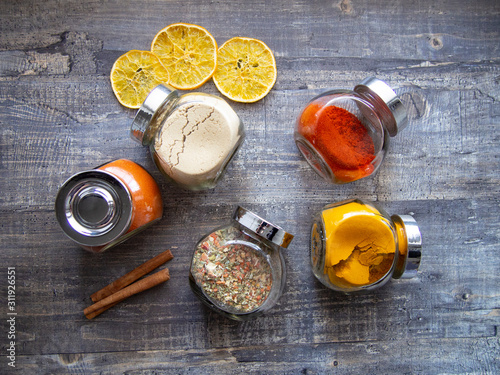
x,y
58,116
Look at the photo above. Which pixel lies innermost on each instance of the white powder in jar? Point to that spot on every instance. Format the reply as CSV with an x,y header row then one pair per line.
x,y
196,140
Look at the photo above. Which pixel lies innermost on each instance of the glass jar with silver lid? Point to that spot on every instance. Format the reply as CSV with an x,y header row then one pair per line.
x,y
344,134
191,137
102,207
238,270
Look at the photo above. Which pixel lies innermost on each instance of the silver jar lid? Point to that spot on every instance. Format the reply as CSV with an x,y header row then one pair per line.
x,y
148,117
94,208
263,228
380,92
414,246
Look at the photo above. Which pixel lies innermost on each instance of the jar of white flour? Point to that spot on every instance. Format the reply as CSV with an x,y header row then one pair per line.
x,y
192,137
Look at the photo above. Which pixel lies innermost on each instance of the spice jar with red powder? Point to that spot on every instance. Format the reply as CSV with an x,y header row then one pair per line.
x,y
238,269
103,207
344,134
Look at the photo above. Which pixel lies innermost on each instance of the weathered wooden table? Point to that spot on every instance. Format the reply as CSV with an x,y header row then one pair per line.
x,y
58,116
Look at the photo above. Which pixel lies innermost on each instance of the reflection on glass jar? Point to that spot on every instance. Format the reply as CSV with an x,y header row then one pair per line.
x,y
344,134
103,207
356,246
192,137
238,269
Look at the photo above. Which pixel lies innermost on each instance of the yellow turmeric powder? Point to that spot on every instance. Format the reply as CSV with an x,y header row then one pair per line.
x,y
360,244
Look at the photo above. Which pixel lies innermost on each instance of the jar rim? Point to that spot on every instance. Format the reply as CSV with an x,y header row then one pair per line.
x,y
71,199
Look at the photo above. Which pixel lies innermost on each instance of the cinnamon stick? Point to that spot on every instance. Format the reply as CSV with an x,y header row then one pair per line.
x,y
100,311
132,276
137,287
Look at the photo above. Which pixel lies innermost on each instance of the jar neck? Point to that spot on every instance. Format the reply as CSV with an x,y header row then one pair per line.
x,y
152,112
256,237
402,244
382,111
386,101
409,246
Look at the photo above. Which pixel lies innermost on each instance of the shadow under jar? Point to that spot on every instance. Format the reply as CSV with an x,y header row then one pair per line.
x,y
238,269
344,134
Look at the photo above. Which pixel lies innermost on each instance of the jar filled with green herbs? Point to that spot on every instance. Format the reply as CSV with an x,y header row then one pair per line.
x,y
238,269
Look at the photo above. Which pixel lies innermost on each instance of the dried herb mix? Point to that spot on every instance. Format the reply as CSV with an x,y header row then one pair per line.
x,y
233,275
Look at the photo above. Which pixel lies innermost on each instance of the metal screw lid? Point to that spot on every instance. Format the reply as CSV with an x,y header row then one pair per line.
x,y
263,228
146,121
94,208
379,92
414,239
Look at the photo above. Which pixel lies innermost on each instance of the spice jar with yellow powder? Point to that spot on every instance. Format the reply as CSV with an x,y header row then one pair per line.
x,y
192,137
356,246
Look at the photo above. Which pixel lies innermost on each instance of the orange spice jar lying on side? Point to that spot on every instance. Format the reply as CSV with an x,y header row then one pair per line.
x,y
103,207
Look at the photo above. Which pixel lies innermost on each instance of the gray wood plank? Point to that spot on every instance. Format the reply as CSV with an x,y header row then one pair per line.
x,y
366,358
58,116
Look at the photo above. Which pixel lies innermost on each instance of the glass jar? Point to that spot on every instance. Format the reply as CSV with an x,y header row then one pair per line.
x,y
192,137
356,246
238,269
344,134
103,207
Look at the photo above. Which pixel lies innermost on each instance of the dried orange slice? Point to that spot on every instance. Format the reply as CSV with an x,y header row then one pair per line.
x,y
134,75
189,52
246,69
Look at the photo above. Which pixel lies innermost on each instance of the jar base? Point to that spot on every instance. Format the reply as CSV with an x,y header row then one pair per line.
x,y
314,159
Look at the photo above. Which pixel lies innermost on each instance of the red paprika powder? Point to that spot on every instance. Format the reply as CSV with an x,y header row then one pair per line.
x,y
340,138
344,134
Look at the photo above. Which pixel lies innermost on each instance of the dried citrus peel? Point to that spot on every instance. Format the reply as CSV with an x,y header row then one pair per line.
x,y
134,75
246,70
188,52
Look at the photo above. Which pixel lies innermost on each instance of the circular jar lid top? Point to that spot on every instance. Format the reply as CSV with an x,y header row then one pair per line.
x,y
263,228
94,208
146,122
414,239
380,92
